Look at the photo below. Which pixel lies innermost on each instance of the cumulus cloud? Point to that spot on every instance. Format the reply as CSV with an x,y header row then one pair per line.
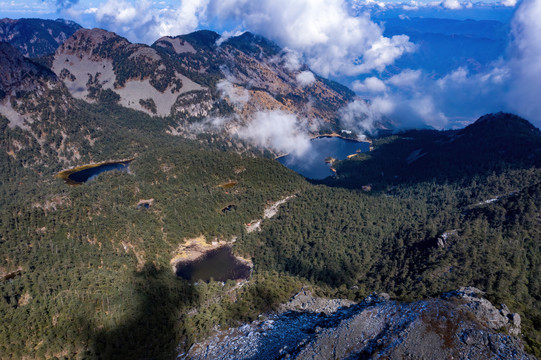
x,y
362,116
509,3
228,34
407,78
449,101
305,78
451,4
332,41
277,130
369,85
237,95
525,66
141,21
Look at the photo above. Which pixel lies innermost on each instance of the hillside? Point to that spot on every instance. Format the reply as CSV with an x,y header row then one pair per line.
x,y
203,87
90,270
34,38
191,77
494,142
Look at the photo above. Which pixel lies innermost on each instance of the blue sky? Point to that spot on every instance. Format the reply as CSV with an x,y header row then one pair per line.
x,y
193,14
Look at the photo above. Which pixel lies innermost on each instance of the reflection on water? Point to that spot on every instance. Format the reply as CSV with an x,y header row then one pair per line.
x,y
82,174
91,173
219,264
312,164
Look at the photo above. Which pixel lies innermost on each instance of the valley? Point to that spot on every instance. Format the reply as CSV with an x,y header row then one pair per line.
x,y
208,237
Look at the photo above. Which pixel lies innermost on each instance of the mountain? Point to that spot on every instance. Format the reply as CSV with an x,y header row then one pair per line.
x,y
446,44
36,37
90,270
20,74
492,143
185,80
190,77
451,326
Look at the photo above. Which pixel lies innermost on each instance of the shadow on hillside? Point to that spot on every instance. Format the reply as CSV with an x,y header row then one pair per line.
x,y
154,331
441,157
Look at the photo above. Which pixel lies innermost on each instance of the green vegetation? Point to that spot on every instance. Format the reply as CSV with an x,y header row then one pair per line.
x,y
96,279
149,104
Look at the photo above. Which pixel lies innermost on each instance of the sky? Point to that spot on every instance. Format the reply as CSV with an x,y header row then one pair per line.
x,y
344,40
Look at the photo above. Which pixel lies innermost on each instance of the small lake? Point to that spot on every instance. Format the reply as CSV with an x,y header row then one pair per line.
x,y
312,165
85,173
219,264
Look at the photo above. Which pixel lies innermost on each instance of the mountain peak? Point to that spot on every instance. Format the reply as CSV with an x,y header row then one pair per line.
x,y
500,125
253,44
86,40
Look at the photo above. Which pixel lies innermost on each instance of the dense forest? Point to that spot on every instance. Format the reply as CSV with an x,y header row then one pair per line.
x,y
87,274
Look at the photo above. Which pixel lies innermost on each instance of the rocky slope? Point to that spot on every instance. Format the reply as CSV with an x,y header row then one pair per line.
x,y
202,84
459,325
194,76
36,37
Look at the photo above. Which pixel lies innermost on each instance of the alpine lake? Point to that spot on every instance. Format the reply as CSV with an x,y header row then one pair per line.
x,y
316,163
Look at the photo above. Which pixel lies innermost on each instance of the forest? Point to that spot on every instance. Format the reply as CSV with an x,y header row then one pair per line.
x,y
93,276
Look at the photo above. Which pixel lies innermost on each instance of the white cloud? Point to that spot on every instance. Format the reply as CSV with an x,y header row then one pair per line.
x,y
525,66
292,59
279,131
369,85
509,3
451,4
140,21
236,94
427,111
228,34
332,41
407,78
459,76
305,78
362,116
209,125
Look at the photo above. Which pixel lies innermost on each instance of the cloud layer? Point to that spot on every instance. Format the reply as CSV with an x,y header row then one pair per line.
x,y
525,66
331,40
279,131
336,42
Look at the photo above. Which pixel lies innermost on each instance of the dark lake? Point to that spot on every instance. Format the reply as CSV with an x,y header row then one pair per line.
x,y
90,173
312,164
219,264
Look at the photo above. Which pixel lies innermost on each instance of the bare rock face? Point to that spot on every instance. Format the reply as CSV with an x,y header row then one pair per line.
x,y
459,325
305,301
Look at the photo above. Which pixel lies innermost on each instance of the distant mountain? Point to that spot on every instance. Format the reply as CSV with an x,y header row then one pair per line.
x,y
179,76
501,126
36,37
445,44
492,143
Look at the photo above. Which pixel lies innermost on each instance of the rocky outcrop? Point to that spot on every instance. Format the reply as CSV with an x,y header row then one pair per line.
x,y
459,325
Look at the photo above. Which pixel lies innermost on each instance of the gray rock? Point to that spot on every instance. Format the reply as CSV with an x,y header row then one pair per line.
x,y
441,328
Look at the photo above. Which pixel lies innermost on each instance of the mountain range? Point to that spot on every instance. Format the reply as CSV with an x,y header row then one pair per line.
x,y
377,261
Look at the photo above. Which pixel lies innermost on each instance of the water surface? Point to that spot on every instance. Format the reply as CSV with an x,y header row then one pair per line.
x,y
312,164
219,264
91,173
